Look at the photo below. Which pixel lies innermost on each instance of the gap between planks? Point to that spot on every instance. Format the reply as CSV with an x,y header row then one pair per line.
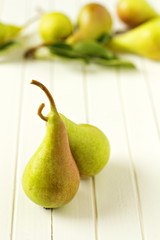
x,y
51,224
133,169
93,178
17,146
150,97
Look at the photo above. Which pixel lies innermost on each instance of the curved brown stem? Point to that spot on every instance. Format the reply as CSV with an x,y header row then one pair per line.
x,y
48,94
40,112
118,32
30,52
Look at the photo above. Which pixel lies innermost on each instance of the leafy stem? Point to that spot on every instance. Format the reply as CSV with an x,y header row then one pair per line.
x,y
30,52
88,51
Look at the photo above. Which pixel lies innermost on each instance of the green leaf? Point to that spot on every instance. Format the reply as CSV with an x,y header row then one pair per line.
x,y
7,46
105,38
65,50
61,45
114,62
93,49
88,51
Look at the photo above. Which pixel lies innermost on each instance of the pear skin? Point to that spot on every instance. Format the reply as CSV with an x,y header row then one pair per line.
x,y
143,40
94,20
51,177
54,27
89,146
8,32
135,12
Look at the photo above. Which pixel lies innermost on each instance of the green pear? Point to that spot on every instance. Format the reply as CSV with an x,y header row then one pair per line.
x,y
89,146
94,20
143,40
51,177
8,32
135,12
54,27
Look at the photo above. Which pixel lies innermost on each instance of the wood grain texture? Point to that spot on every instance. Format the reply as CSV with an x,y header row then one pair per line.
x,y
10,95
151,71
1,6
144,143
8,141
115,187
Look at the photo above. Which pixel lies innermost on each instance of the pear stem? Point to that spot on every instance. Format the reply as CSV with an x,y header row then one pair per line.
x,y
40,112
52,103
30,52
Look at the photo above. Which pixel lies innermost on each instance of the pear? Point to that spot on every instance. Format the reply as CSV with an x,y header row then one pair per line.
x,y
94,20
51,177
143,40
135,12
89,146
54,27
8,32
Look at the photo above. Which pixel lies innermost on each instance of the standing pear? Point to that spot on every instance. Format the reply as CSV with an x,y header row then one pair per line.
x,y
51,177
94,20
143,40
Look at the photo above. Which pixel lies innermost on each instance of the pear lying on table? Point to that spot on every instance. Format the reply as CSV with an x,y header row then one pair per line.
x,y
143,40
8,32
135,12
89,146
51,177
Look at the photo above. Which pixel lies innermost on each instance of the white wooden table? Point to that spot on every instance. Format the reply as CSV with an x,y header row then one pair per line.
x,y
123,201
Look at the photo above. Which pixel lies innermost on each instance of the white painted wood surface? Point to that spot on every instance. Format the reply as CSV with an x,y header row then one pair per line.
x,y
123,201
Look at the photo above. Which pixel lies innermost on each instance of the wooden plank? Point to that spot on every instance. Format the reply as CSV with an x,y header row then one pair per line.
x,y
70,8
30,220
144,144
1,6
10,95
11,76
152,72
118,216
11,13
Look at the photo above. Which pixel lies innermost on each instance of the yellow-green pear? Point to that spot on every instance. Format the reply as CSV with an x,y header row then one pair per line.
x,y
54,27
89,146
94,20
135,12
8,32
143,40
51,177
